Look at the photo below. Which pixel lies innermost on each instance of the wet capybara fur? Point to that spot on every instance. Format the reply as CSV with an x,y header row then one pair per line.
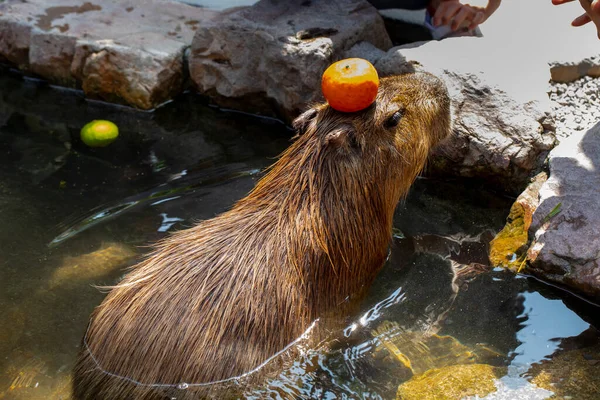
x,y
216,300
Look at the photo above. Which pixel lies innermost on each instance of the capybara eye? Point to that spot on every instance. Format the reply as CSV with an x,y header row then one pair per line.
x,y
394,119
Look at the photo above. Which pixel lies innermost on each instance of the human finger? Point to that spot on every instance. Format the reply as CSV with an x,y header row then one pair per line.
x,y
445,12
595,6
478,19
460,17
581,20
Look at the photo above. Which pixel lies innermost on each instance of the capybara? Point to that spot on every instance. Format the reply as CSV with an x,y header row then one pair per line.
x,y
216,300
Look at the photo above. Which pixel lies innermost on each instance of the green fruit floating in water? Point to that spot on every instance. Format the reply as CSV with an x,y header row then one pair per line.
x,y
99,133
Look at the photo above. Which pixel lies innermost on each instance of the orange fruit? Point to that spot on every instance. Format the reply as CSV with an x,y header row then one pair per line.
x,y
350,85
99,133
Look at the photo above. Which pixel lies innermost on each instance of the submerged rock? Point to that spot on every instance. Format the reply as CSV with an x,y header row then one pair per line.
x,y
421,351
571,374
30,377
92,266
277,51
451,383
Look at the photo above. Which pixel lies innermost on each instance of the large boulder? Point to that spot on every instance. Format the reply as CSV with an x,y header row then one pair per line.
x,y
566,224
502,131
122,51
278,50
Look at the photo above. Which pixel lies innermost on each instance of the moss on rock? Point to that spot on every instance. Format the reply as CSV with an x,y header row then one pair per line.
x,y
509,248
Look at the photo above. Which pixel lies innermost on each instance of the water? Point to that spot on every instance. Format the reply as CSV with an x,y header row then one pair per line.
x,y
73,217
219,4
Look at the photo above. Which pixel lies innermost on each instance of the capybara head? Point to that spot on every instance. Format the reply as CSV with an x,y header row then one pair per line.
x,y
217,300
381,148
410,115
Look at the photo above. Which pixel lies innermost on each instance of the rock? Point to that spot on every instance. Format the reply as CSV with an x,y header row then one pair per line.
x,y
278,50
14,40
451,383
577,108
502,132
566,224
121,51
121,73
509,248
573,374
422,351
51,56
92,266
569,71
364,50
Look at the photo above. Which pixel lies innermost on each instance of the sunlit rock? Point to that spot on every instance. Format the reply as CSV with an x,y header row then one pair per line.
x,y
451,383
122,51
509,248
566,224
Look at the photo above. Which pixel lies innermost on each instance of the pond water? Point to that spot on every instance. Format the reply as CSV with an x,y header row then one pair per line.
x,y
74,217
219,4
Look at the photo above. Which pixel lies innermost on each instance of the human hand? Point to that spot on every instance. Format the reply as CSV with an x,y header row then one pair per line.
x,y
458,15
592,13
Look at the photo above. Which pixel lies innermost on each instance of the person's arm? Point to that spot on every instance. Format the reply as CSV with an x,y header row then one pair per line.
x,y
469,14
592,13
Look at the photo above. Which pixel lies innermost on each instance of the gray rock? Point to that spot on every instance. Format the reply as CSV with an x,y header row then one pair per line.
x,y
502,133
51,56
566,246
14,40
279,49
364,50
144,78
124,50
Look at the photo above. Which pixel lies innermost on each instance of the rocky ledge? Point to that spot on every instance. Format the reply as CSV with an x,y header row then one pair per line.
x,y
135,53
122,51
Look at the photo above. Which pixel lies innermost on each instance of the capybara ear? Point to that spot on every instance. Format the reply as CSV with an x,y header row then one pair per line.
x,y
302,122
344,136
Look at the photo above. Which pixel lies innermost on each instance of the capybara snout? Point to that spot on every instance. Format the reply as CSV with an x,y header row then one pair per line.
x,y
217,300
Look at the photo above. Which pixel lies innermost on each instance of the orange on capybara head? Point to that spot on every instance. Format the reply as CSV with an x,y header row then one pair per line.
x,y
218,299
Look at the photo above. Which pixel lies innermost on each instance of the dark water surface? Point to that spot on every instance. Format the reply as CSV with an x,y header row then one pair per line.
x,y
73,217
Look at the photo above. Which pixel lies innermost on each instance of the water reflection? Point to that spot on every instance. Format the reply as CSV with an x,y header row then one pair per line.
x,y
545,323
219,4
